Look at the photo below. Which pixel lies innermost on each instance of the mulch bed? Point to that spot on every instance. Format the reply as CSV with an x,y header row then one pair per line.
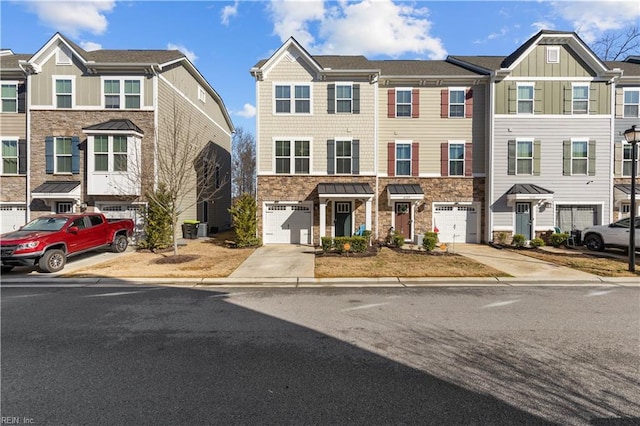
x,y
180,258
373,251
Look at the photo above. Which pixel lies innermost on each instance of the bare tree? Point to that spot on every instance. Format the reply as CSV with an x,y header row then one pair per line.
x,y
617,45
243,170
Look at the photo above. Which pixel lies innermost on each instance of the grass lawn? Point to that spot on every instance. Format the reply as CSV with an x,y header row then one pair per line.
x,y
391,263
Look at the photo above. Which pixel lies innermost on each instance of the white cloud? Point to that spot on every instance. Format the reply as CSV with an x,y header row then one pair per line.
x,y
247,111
228,12
73,17
90,46
591,19
188,53
367,27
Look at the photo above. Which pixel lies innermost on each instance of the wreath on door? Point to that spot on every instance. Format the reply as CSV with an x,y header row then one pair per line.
x,y
402,208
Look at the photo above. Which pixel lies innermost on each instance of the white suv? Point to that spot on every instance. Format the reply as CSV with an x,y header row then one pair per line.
x,y
614,235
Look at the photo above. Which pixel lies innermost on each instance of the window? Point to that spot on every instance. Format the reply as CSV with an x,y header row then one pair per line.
x,y
301,152
625,209
283,157
403,159
344,97
456,102
63,155
456,159
9,97
553,54
580,99
64,94
122,92
403,103
632,103
64,207
9,157
301,99
525,98
343,157
202,95
101,153
119,153
627,159
579,158
524,157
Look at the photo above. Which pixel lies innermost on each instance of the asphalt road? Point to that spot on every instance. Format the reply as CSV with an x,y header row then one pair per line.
x,y
461,355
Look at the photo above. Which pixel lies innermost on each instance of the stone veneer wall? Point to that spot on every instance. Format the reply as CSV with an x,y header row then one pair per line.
x,y
13,189
305,188
70,123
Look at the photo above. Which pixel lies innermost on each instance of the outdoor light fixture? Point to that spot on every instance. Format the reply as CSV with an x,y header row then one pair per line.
x,y
632,136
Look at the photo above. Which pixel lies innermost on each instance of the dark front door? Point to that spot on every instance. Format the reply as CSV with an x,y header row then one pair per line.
x,y
403,219
523,219
343,219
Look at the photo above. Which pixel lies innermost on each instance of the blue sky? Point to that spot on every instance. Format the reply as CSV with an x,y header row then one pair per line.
x,y
224,39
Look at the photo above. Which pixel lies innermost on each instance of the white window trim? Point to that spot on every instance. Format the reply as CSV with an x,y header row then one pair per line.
x,y
55,155
464,158
10,83
532,100
404,89
630,89
464,99
292,99
122,94
395,163
585,140
54,103
553,54
630,160
292,157
15,139
573,101
531,140
335,156
343,83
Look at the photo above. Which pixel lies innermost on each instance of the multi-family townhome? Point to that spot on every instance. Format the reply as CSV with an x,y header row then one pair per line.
x,y
550,136
627,114
13,136
97,122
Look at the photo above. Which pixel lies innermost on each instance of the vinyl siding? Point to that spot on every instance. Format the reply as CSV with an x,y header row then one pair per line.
x,y
430,130
570,65
13,124
567,189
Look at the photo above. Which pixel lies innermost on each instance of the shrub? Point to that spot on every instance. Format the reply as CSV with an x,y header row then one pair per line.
x,y
356,244
396,239
518,240
327,243
429,241
558,239
537,242
243,213
157,228
367,236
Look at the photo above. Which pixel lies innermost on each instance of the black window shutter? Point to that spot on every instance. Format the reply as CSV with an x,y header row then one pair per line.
x,y
22,97
355,156
331,155
75,155
22,157
511,152
331,99
48,154
356,99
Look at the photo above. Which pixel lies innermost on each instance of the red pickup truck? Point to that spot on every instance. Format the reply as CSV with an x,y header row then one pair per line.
x,y
47,241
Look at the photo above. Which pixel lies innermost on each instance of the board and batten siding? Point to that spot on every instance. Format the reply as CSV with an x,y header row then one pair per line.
x,y
569,65
429,130
551,132
319,126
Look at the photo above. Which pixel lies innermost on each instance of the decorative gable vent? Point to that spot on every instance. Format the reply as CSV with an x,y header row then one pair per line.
x,y
553,54
63,56
292,55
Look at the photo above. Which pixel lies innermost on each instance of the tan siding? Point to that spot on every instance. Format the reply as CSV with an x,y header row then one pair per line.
x,y
13,124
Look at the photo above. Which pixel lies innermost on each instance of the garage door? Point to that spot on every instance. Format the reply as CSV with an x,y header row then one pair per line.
x,y
287,224
456,223
125,211
12,217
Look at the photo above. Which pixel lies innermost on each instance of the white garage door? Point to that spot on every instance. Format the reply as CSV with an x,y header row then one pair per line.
x,y
125,211
12,217
456,223
287,224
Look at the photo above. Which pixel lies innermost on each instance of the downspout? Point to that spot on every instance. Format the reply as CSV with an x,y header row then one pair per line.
x,y
612,122
156,132
489,165
258,142
375,154
28,147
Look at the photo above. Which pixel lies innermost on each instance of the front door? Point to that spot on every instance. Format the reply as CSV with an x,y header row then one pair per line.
x,y
343,219
403,219
523,219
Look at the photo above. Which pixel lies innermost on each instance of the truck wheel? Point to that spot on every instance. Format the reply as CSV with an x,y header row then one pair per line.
x,y
594,242
6,269
120,244
52,261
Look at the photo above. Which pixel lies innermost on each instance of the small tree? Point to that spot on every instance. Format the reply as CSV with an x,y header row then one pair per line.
x,y
243,213
158,233
243,160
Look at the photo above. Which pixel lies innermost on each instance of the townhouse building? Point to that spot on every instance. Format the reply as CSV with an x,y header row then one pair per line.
x,y
93,128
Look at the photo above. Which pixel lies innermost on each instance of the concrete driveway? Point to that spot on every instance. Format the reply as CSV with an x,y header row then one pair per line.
x,y
278,261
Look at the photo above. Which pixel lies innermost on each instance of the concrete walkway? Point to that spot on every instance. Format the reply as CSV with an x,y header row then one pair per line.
x,y
278,261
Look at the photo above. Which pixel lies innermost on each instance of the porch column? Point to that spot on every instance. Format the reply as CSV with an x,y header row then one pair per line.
x,y
367,214
323,218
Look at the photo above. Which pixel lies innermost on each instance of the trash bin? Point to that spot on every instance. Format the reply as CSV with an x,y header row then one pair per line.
x,y
190,229
576,237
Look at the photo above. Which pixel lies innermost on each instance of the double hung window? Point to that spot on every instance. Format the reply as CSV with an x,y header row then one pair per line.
x,y
63,155
632,103
403,102
525,98
343,157
456,102
580,99
9,97
293,99
403,159
524,157
579,157
10,157
456,159
64,93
